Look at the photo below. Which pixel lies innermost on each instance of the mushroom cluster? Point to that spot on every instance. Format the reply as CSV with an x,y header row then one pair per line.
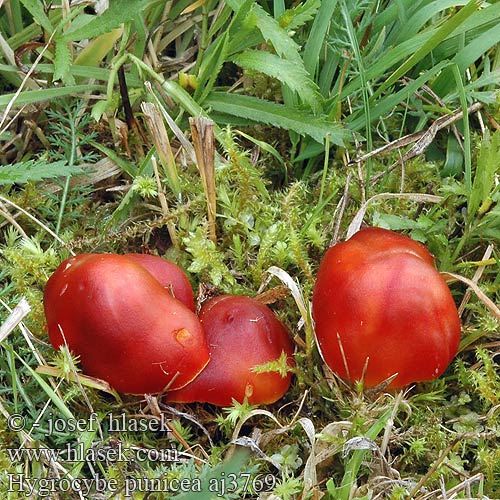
x,y
130,319
382,313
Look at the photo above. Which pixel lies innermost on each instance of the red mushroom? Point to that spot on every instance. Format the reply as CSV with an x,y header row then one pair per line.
x,y
126,328
170,275
382,309
242,333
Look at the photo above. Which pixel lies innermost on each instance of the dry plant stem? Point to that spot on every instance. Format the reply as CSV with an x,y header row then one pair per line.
x,y
36,221
161,141
156,413
477,276
419,197
188,147
433,469
129,115
164,205
159,32
492,307
339,211
390,423
443,105
421,139
202,131
7,216
23,83
85,380
23,304
15,317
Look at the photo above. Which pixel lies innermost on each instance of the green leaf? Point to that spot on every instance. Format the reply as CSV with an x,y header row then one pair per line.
x,y
466,57
425,15
389,102
317,35
210,67
299,15
445,30
213,480
243,32
292,74
119,12
272,32
98,48
28,171
35,8
278,115
486,169
58,402
32,96
62,63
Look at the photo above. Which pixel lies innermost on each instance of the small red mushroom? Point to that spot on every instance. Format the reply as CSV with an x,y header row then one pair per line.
x,y
242,333
125,327
169,274
381,309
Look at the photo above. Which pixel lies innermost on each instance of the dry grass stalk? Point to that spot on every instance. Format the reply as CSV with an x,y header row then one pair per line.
x,y
490,305
14,318
164,205
202,131
161,141
475,279
83,380
419,197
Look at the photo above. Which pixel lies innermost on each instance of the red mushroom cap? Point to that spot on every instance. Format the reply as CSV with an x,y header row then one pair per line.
x,y
381,308
169,274
126,328
242,333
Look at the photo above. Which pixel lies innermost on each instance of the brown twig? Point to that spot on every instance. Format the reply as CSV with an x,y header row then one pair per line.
x,y
420,140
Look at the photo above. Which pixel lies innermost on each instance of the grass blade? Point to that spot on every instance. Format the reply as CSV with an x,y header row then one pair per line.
x,y
446,29
317,36
467,143
30,97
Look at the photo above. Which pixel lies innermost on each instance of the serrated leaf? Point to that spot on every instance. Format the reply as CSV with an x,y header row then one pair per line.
x,y
35,8
272,32
299,15
288,72
62,63
278,115
119,12
31,171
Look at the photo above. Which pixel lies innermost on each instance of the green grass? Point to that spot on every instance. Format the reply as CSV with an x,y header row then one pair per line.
x,y
298,91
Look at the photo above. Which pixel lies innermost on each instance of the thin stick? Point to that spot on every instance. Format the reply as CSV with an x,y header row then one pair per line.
x,y
491,306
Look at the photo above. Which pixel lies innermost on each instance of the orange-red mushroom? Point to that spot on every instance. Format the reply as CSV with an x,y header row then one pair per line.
x,y
125,327
381,309
242,334
169,274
